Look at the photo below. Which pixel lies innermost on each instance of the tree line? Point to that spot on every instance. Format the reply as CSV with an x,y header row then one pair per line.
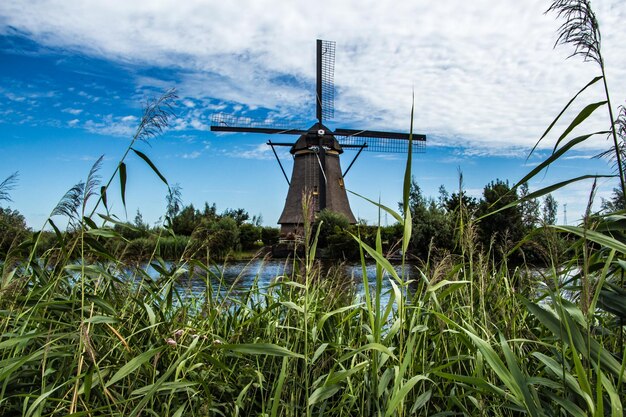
x,y
438,226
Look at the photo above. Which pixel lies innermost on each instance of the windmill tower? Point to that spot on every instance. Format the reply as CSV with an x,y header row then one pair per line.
x,y
316,169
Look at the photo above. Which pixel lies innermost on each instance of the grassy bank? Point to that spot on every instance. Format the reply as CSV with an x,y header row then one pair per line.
x,y
102,338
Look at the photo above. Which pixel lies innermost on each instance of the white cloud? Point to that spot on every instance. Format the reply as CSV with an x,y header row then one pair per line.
x,y
579,156
261,151
192,155
111,125
73,122
484,73
390,156
14,97
75,112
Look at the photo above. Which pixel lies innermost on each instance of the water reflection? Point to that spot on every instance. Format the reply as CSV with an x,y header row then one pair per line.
x,y
237,277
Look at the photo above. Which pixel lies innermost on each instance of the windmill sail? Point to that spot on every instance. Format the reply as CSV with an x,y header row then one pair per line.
x,y
316,170
325,102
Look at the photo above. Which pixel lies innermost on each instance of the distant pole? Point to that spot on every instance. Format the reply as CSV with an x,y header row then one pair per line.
x,y
565,213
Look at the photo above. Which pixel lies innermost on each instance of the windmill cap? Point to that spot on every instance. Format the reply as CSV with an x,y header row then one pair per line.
x,y
317,135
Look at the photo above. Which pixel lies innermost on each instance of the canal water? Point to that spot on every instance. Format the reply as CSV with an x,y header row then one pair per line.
x,y
235,277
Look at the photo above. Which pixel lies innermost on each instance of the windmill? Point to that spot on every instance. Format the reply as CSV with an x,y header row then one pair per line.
x,y
316,168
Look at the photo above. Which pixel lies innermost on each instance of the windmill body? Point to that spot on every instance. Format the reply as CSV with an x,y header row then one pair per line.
x,y
317,174
316,160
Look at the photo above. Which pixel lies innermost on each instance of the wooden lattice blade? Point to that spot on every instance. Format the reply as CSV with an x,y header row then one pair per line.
x,y
377,134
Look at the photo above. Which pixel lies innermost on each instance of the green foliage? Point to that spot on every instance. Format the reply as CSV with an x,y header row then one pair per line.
x,y
218,237
238,215
249,236
529,209
615,203
186,220
331,224
270,235
12,229
550,207
503,228
174,202
431,224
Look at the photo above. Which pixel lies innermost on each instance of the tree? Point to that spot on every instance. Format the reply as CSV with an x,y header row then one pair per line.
x,y
139,223
270,235
444,195
457,200
331,223
219,236
550,207
209,212
238,215
249,235
505,227
12,228
334,238
529,208
223,236
174,202
430,223
185,222
257,220
615,203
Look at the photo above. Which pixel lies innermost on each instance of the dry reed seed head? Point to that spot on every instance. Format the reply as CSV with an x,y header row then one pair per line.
x,y
89,349
93,181
620,124
71,201
580,28
7,185
156,116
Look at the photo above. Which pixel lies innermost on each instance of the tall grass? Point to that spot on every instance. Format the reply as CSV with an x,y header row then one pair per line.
x,y
470,336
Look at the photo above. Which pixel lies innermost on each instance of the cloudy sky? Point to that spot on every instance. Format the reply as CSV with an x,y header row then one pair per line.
x,y
486,78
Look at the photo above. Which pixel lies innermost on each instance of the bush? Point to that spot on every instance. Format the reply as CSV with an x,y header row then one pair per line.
x,y
249,235
270,235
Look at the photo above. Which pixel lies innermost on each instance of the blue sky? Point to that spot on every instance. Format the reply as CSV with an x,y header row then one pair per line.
x,y
486,78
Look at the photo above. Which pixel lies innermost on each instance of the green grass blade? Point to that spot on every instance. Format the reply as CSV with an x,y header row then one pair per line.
x,y
519,379
380,259
279,387
590,83
370,346
546,190
581,117
398,396
393,213
323,393
556,155
406,189
599,238
132,365
260,349
617,408
122,170
149,162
